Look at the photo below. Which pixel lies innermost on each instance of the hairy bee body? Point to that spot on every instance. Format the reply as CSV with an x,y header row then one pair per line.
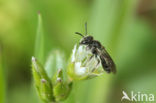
x,y
98,51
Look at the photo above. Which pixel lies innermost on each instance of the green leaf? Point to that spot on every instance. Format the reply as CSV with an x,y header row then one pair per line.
x,y
39,44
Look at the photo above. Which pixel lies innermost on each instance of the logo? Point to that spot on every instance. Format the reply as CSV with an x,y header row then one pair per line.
x,y
137,96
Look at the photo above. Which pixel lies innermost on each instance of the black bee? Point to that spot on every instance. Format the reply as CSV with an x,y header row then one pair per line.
x,y
98,50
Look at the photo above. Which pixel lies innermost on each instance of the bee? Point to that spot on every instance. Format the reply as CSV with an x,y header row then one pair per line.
x,y
98,50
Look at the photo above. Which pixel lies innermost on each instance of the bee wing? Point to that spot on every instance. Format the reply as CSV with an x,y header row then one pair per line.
x,y
106,61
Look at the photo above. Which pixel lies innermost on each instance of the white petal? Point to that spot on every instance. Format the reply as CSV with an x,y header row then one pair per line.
x,y
73,55
78,69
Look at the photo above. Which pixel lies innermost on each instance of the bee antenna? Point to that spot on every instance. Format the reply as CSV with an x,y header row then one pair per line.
x,y
86,28
79,34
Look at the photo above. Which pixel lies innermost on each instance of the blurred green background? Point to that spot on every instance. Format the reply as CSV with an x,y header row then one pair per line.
x,y
127,28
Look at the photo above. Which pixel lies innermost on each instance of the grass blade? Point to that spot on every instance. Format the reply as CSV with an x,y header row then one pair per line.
x,y
2,82
39,44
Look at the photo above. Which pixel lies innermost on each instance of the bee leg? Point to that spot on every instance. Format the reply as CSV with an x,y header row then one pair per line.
x,y
90,57
96,65
98,62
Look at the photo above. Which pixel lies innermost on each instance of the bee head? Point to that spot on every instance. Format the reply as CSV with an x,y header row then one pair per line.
x,y
86,40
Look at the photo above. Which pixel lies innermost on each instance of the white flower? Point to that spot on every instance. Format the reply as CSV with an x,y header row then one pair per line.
x,y
84,64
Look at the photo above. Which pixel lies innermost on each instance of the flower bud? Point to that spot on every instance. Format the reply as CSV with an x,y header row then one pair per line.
x,y
42,82
61,88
